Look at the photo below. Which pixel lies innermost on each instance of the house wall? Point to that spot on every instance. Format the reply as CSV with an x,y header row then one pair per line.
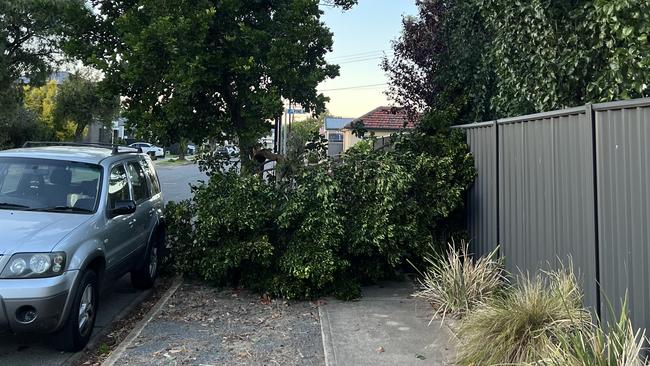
x,y
349,139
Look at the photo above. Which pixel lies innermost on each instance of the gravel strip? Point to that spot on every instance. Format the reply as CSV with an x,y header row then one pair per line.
x,y
100,348
204,326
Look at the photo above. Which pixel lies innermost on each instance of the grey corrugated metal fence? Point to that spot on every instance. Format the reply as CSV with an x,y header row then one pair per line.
x,y
575,184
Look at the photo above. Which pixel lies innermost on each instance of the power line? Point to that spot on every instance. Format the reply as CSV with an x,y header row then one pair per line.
x,y
356,55
354,87
360,60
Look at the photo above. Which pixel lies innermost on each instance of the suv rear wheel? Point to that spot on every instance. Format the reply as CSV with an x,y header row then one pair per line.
x,y
78,327
145,276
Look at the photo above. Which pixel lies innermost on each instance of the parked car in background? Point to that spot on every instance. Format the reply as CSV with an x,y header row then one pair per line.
x,y
152,150
73,219
230,151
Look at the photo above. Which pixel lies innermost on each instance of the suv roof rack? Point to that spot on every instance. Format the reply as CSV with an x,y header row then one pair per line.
x,y
114,148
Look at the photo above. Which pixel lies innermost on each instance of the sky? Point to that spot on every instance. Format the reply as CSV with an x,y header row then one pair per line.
x,y
361,36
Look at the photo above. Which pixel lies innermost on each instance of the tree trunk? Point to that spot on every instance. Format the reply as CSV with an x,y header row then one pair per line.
x,y
182,148
246,144
246,152
79,132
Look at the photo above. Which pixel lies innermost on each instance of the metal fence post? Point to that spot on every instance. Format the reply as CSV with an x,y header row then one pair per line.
x,y
590,114
497,180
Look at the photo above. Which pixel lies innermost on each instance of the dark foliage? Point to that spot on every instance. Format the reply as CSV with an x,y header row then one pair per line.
x,y
327,228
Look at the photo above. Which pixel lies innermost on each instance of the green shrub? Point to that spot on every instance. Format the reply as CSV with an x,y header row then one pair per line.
x,y
619,345
401,201
456,284
522,325
311,233
180,233
229,238
325,228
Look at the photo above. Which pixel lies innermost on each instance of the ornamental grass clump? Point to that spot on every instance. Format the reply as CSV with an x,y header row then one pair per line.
x,y
618,345
522,325
455,284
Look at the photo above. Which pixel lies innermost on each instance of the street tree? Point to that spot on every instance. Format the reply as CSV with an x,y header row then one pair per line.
x,y
344,4
204,69
439,64
41,102
30,35
80,102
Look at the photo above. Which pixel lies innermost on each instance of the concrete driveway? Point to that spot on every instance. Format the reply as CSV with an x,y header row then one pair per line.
x,y
27,350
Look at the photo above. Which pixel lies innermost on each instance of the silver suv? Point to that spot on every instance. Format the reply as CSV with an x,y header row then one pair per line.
x,y
73,218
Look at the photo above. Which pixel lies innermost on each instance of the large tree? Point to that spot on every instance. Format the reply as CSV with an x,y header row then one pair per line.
x,y
205,68
30,34
472,60
81,102
439,64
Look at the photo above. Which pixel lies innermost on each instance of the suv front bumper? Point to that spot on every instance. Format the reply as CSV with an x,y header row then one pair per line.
x,y
50,297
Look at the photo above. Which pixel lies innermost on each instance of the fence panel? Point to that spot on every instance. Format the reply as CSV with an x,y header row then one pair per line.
x,y
623,177
546,194
482,197
547,168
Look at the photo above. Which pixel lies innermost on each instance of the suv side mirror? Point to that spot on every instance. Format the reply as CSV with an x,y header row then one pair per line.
x,y
122,208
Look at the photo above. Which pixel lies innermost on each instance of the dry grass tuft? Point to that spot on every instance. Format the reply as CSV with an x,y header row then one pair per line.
x,y
456,284
620,345
523,325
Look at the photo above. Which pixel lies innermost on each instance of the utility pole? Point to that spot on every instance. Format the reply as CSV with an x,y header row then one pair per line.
x,y
284,130
276,134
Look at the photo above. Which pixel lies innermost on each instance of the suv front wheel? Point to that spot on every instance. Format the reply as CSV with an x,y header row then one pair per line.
x,y
76,332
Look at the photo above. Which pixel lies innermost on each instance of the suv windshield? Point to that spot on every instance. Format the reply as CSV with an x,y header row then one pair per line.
x,y
49,185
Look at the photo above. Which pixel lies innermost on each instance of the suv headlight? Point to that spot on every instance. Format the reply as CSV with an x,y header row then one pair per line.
x,y
34,265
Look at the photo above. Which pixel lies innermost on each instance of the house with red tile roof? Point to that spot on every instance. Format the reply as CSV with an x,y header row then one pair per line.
x,y
381,121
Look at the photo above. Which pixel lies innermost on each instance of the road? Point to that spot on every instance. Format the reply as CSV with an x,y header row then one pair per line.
x,y
176,179
34,350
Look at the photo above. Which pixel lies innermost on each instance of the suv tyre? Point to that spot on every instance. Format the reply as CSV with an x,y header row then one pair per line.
x,y
78,327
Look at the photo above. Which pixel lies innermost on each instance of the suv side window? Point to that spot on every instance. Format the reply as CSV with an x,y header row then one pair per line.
x,y
12,178
118,186
151,173
139,183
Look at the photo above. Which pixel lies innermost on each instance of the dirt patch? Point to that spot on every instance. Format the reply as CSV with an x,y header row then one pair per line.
x,y
121,328
201,325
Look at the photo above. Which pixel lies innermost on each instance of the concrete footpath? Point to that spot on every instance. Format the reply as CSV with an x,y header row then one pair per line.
x,y
385,327
199,325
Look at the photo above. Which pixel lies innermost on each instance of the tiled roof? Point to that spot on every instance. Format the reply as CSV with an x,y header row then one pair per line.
x,y
385,118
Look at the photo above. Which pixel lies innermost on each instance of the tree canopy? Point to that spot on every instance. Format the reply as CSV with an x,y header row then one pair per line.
x,y
80,102
473,60
31,32
202,68
438,61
